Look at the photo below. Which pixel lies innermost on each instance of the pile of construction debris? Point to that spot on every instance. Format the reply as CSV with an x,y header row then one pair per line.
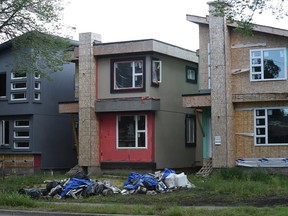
x,y
81,186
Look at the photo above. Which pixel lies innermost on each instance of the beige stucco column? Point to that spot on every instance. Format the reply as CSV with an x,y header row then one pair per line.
x,y
88,122
221,94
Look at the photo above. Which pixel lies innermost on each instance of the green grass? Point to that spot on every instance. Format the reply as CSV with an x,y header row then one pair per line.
x,y
225,187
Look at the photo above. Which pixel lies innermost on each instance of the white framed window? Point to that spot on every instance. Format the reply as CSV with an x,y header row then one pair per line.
x,y
18,96
18,85
21,123
131,131
21,134
268,64
37,85
128,74
156,71
271,126
21,144
4,132
37,76
37,96
17,76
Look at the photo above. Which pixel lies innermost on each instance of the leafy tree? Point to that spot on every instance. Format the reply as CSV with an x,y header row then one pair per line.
x,y
32,26
242,12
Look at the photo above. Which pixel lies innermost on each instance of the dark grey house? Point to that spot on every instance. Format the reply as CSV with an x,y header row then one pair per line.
x,y
33,135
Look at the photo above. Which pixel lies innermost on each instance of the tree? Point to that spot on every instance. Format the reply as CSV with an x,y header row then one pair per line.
x,y
242,12
34,28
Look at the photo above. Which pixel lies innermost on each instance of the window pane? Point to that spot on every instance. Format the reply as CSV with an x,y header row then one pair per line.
x,y
124,75
256,69
274,64
141,139
21,123
190,129
141,122
138,81
256,76
260,122
256,54
260,112
277,126
4,132
256,61
22,144
260,131
126,131
21,134
260,140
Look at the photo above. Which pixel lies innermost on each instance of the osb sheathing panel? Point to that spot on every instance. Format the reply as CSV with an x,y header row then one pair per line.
x,y
244,123
240,59
26,161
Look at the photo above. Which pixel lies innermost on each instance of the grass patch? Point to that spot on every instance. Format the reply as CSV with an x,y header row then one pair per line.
x,y
225,187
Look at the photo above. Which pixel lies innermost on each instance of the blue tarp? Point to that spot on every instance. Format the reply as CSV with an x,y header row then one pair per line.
x,y
74,183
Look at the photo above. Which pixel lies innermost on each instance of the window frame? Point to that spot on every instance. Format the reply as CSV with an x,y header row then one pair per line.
x,y
18,99
195,70
14,77
113,62
261,64
263,124
137,131
190,119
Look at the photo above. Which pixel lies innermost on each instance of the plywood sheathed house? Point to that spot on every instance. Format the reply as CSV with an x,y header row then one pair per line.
x,y
246,81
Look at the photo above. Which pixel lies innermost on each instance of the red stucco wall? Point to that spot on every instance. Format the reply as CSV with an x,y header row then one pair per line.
x,y
108,150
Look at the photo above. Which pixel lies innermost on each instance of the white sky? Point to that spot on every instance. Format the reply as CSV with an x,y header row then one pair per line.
x,y
164,20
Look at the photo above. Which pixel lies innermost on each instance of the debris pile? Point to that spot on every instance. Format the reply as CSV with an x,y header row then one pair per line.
x,y
81,186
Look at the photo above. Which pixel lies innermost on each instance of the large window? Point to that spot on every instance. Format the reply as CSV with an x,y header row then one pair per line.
x,y
271,126
128,74
190,130
132,131
4,132
268,64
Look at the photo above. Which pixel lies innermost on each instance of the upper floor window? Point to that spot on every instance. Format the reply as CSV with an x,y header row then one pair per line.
x,y
2,85
191,74
268,64
16,75
270,126
132,131
156,72
128,74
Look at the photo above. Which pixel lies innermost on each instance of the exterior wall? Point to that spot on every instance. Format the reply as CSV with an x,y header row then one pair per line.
x,y
109,151
170,150
50,133
240,58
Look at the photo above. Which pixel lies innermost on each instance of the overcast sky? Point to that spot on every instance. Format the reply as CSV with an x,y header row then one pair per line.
x,y
122,20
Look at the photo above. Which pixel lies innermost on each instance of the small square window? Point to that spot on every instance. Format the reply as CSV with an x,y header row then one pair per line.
x,y
191,74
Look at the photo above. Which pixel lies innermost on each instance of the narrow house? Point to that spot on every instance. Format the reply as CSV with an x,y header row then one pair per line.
x,y
242,94
33,135
129,104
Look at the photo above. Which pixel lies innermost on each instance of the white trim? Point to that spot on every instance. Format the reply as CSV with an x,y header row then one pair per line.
x,y
18,99
18,78
16,136
22,126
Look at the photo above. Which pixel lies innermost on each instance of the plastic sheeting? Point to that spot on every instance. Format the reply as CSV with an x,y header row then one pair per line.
x,y
262,162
